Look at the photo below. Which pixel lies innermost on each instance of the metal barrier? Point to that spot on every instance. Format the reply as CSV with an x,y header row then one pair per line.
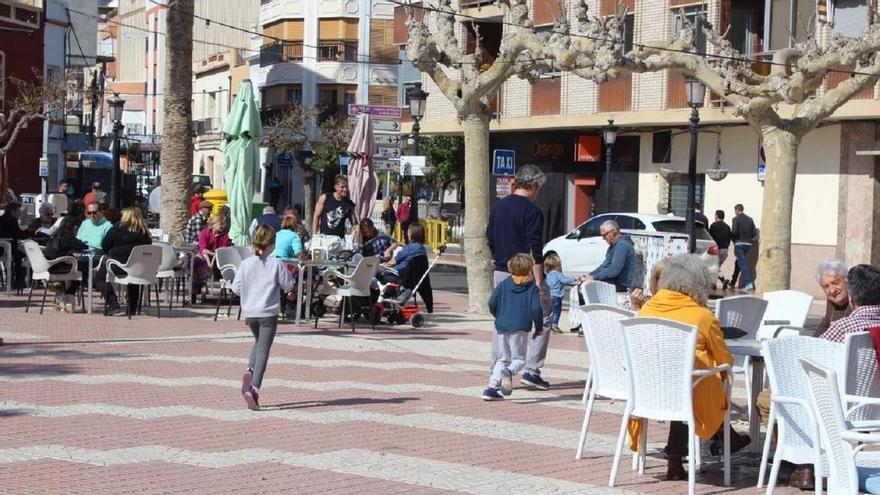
x,y
435,233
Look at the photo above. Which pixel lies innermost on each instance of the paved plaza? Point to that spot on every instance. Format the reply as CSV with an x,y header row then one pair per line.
x,y
90,404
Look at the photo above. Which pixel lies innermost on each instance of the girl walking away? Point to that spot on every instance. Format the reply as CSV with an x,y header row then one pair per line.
x,y
516,305
259,282
557,282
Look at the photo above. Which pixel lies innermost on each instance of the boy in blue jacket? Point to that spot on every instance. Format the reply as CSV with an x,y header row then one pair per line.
x,y
516,306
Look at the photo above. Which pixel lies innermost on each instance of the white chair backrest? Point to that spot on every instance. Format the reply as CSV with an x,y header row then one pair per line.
x,y
143,263
362,276
782,356
825,401
228,259
606,346
660,361
244,251
35,257
743,312
597,292
860,373
158,235
784,307
168,256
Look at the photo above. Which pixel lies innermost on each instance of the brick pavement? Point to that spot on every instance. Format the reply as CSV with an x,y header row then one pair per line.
x,y
105,405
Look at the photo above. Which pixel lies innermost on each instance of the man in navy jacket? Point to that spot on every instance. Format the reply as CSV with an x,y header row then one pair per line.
x,y
619,267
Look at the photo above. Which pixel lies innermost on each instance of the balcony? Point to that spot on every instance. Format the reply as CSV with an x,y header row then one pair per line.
x,y
338,112
337,51
281,51
207,126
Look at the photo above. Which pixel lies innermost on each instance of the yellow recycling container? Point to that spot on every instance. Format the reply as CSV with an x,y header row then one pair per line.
x,y
218,198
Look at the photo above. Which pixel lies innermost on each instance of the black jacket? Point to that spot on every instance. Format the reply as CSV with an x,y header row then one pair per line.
x,y
119,242
720,233
743,229
64,243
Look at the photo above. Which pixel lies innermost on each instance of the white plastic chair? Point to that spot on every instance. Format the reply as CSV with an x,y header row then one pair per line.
x,y
170,269
357,284
158,235
861,383
597,292
141,269
6,265
784,307
40,270
747,314
244,251
607,378
661,376
846,463
228,260
796,439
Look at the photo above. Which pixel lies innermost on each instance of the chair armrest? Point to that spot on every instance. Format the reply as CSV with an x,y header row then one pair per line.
x,y
112,262
63,259
336,273
855,436
859,402
712,371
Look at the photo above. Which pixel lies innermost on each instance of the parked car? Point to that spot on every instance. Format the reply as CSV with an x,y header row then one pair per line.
x,y
582,250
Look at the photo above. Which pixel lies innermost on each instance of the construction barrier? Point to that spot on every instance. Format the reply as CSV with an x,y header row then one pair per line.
x,y
435,233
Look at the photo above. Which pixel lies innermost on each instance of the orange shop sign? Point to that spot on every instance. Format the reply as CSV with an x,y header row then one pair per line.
x,y
588,149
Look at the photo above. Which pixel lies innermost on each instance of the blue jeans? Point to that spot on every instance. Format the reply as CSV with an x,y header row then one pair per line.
x,y
741,251
555,310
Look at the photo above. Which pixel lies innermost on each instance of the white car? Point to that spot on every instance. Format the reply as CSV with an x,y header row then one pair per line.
x,y
582,250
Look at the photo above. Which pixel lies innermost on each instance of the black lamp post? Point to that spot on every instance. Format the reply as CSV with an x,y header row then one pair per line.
x,y
416,98
696,93
116,105
609,135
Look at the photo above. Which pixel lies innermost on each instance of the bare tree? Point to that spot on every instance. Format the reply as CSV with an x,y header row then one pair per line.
x,y
469,82
177,141
782,107
289,133
32,101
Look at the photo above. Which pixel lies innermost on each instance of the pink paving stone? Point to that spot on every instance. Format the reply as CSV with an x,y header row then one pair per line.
x,y
77,336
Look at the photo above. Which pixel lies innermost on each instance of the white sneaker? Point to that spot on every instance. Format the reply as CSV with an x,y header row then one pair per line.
x,y
506,382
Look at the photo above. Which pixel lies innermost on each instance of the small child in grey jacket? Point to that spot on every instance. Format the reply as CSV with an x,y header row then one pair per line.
x,y
259,281
516,306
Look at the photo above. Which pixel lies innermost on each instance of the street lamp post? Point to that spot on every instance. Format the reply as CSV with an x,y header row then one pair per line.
x,y
416,98
609,135
116,105
696,93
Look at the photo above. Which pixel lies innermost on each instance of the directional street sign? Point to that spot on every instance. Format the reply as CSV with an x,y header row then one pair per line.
x,y
503,162
386,139
386,125
387,152
375,111
386,164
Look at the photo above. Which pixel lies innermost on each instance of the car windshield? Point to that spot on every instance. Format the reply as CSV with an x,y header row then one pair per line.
x,y
678,227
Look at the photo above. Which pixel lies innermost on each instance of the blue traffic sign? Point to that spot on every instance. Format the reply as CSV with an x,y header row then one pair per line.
x,y
503,162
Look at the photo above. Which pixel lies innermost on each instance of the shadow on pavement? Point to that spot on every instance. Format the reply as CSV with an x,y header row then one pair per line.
x,y
352,401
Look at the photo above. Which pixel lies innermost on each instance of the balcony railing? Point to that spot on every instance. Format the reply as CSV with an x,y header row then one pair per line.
x,y
337,51
281,51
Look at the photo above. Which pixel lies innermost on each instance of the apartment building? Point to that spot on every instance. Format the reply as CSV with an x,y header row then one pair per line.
x,y
556,123
325,54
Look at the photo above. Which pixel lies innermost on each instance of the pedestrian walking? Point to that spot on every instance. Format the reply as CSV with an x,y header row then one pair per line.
x,y
259,282
743,232
720,232
516,225
516,306
556,282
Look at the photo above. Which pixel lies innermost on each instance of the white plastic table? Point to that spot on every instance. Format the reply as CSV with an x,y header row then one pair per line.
x,y
305,277
752,348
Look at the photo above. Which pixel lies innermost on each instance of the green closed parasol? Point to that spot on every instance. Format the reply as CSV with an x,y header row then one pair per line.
x,y
241,161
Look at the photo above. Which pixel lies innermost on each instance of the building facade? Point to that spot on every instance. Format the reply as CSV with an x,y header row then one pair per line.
x,y
325,54
556,123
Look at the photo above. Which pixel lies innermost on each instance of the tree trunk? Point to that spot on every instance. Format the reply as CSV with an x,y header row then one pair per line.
x,y
308,197
774,257
177,142
476,215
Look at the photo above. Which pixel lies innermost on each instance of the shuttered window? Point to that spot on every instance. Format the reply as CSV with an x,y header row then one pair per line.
x,y
678,193
850,17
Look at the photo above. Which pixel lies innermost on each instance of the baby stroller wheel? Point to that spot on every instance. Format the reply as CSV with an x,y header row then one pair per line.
x,y
417,320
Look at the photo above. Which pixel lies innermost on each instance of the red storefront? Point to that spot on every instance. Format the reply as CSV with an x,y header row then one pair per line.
x,y
21,53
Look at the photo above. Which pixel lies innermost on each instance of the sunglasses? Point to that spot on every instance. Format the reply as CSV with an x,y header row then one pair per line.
x,y
91,213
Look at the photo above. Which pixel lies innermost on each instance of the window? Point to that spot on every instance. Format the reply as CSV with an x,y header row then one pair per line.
x,y
630,223
629,26
850,17
694,15
294,95
661,147
790,22
405,87
591,228
678,190
680,227
543,35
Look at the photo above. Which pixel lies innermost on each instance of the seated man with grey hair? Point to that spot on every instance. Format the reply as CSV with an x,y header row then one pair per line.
x,y
269,217
831,275
864,296
619,267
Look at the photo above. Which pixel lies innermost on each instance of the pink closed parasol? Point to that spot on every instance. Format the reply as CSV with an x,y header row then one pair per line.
x,y
362,180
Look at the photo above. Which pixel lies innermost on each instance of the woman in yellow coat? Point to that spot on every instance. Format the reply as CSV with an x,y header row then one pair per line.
x,y
683,291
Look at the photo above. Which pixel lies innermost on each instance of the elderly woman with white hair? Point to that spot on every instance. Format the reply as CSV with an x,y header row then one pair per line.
x,y
683,291
831,275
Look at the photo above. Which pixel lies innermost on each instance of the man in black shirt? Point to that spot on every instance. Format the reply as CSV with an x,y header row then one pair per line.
x,y
333,210
720,233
